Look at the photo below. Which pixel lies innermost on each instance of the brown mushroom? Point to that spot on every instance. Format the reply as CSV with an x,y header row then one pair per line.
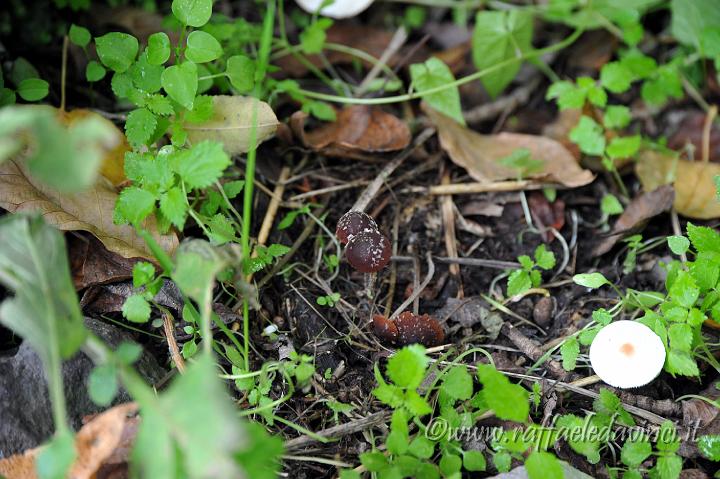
x,y
352,223
368,252
409,328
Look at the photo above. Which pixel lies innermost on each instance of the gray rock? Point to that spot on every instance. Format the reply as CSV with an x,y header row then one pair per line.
x,y
25,408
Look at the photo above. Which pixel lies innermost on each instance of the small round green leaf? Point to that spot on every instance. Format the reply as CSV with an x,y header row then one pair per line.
x,y
241,72
474,461
193,13
33,89
136,309
181,82
7,97
678,244
117,50
79,35
590,280
158,49
102,385
202,47
94,71
710,446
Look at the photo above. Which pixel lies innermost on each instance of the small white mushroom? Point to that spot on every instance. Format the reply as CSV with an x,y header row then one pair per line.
x,y
627,354
337,9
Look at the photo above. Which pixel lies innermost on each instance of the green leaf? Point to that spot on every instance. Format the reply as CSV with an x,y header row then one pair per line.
x,y
457,383
616,117
181,83
221,230
690,18
406,368
197,264
502,461
202,110
624,147
678,244
610,205
158,49
474,461
33,89
44,310
56,457
432,74
681,362
233,188
518,282
664,84
277,250
373,461
193,427
567,94
422,447
543,258
94,71
193,13
240,70
569,350
79,35
498,37
320,110
450,464
398,439
704,239
174,206
635,452
103,384
312,38
590,280
684,290
709,446
588,135
146,76
668,467
134,205
508,401
202,47
543,465
136,309
159,105
116,50
616,77
7,97
201,165
582,443
143,273
139,126
681,336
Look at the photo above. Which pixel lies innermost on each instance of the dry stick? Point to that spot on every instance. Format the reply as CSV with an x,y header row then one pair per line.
x,y
478,262
393,266
172,344
448,217
329,189
707,127
272,209
532,350
340,430
490,110
470,188
397,41
416,292
372,189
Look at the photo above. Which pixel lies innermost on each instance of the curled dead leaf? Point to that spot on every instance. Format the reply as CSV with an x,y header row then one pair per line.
x,y
409,329
232,122
693,182
90,210
358,129
479,154
640,209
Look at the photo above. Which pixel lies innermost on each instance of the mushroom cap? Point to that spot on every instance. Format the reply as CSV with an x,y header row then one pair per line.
x,y
337,9
368,252
627,354
352,223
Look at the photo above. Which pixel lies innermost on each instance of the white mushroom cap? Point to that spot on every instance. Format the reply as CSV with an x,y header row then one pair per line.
x,y
627,354
337,9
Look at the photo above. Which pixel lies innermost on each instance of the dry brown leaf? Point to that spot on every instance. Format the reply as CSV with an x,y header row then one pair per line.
x,y
358,129
641,209
103,440
693,182
479,154
113,164
90,210
91,263
232,123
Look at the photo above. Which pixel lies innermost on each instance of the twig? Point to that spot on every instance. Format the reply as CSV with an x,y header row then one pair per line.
x,y
530,349
340,430
416,292
470,188
397,41
372,189
478,262
329,189
448,217
707,128
172,344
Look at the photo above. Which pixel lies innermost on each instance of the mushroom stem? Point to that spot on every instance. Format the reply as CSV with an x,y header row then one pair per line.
x,y
369,284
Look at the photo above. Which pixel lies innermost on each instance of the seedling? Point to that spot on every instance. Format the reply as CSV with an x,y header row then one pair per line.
x,y
328,300
529,276
627,354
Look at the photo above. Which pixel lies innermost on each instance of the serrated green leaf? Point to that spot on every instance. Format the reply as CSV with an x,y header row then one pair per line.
x,y
709,446
406,368
616,77
508,401
143,273
201,165
457,383
221,230
569,350
159,105
202,47
543,258
518,282
624,147
173,204
139,126
116,50
684,290
588,135
543,465
202,110
133,205
616,117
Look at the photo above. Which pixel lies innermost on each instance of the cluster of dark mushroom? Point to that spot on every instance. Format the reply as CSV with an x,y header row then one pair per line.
x,y
368,251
